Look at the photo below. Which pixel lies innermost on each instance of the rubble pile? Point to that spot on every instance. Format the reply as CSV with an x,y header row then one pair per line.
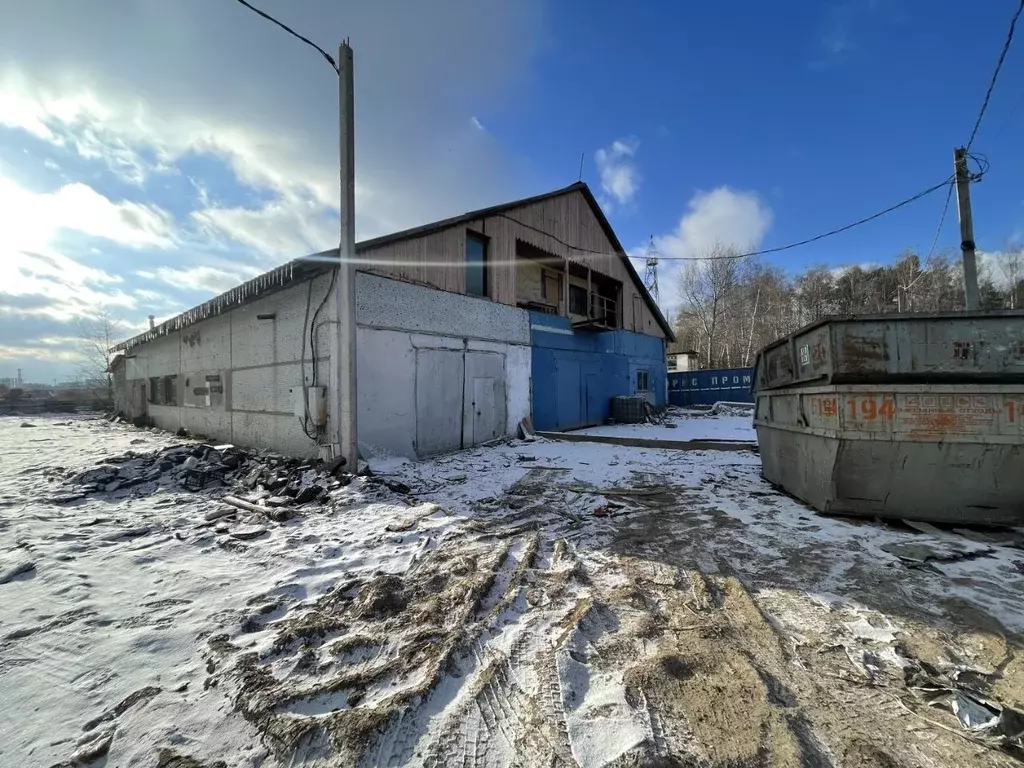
x,y
267,482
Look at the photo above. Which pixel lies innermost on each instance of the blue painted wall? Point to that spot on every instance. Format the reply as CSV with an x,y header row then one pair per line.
x,y
708,387
576,373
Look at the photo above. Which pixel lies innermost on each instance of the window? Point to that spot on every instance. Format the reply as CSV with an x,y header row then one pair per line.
x,y
476,264
643,380
170,390
551,286
154,391
577,300
672,360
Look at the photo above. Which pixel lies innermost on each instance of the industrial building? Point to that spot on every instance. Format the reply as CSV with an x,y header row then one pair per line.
x,y
465,327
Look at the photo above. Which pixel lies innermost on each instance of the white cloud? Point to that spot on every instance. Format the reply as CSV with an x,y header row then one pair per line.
x,y
152,296
202,278
173,91
866,266
65,288
620,179
99,126
45,351
75,119
284,229
476,123
722,216
274,122
32,219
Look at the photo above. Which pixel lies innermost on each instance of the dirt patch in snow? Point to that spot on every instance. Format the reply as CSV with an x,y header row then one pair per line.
x,y
541,633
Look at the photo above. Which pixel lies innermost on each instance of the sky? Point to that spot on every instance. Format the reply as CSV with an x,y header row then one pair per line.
x,y
154,153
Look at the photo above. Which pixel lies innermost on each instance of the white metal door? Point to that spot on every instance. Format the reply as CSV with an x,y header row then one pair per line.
x,y
484,399
485,426
439,382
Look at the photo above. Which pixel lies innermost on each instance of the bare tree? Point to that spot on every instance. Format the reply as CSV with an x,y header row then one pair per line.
x,y
1011,264
908,274
98,332
731,308
706,287
815,294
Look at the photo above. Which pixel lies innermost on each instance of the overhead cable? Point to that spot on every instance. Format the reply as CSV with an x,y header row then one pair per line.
x,y
995,74
290,31
764,251
942,220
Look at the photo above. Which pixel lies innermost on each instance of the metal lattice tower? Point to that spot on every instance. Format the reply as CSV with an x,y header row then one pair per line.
x,y
651,270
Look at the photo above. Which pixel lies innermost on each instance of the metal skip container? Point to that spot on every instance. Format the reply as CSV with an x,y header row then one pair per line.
x,y
907,416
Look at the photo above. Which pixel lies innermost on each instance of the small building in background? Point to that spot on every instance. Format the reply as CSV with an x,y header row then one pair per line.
x,y
465,327
681,358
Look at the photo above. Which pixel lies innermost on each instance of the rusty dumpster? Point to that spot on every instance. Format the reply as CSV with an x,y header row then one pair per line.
x,y
935,348
915,417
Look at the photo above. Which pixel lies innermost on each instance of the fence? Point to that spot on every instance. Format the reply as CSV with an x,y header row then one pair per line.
x,y
708,387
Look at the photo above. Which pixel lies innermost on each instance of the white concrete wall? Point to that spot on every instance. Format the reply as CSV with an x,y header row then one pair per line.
x,y
398,324
259,363
393,389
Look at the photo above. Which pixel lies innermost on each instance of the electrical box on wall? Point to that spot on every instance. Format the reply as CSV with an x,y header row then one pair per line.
x,y
311,400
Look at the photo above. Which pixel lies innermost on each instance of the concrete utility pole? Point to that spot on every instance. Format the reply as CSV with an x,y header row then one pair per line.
x,y
963,199
343,393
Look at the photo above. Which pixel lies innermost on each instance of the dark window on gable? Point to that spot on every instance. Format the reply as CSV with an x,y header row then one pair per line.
x,y
577,300
476,264
551,286
643,380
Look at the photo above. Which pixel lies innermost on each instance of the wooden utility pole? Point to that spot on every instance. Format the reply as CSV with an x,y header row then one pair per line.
x,y
963,199
343,395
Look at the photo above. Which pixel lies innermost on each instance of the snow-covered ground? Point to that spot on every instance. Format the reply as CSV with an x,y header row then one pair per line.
x,y
541,603
127,590
685,426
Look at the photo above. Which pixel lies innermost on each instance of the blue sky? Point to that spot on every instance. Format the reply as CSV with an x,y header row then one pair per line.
x,y
153,154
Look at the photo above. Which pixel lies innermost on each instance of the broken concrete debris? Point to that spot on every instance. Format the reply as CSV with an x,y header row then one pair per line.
x,y
266,484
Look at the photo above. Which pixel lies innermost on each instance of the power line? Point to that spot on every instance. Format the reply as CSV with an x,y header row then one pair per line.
x,y
290,31
995,75
983,166
369,261
763,252
1009,118
942,220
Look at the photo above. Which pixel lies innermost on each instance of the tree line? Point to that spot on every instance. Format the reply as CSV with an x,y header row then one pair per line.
x,y
732,307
